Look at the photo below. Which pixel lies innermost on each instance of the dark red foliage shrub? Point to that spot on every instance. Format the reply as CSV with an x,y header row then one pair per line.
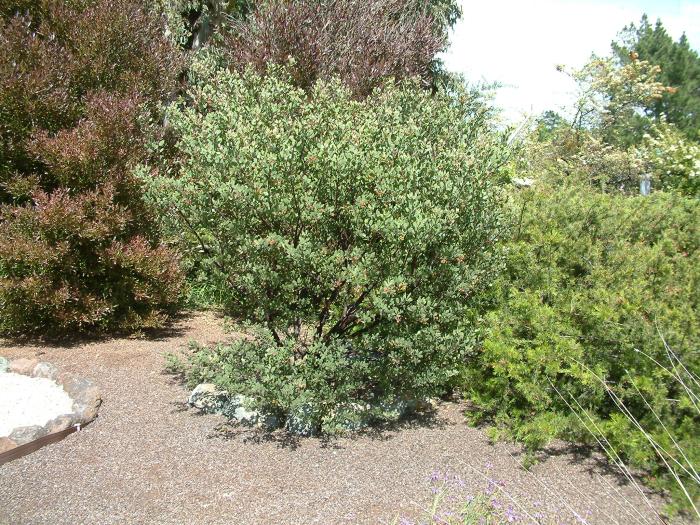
x,y
79,85
363,43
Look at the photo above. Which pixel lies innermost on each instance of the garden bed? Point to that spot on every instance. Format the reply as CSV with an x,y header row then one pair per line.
x,y
40,405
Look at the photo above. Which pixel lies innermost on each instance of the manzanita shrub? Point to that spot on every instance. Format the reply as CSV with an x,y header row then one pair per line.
x,y
352,235
592,324
79,82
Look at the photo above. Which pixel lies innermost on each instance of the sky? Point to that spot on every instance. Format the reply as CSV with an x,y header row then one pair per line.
x,y
519,43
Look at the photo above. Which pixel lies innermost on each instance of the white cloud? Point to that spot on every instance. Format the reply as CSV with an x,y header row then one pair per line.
x,y
519,44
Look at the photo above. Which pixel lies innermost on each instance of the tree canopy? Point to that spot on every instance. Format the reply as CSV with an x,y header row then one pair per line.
x,y
680,69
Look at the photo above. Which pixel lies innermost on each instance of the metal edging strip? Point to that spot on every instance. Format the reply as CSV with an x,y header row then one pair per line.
x,y
32,446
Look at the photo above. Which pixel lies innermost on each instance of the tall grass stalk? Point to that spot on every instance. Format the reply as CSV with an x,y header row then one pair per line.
x,y
676,465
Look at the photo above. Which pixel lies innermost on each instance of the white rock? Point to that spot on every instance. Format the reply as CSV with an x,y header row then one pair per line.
x,y
301,421
212,400
524,182
203,394
28,401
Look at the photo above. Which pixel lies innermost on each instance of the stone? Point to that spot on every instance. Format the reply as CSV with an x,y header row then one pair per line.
x,y
61,423
85,395
353,416
6,444
300,421
427,405
209,398
4,364
268,422
45,370
212,400
87,411
23,435
237,409
523,183
23,366
396,409
392,410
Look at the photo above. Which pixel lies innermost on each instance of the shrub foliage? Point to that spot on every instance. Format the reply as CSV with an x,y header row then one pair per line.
x,y
355,233
78,84
594,284
363,43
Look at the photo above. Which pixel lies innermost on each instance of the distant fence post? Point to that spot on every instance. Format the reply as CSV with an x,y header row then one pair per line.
x,y
645,184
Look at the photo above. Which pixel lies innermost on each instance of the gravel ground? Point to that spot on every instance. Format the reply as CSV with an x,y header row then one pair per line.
x,y
150,459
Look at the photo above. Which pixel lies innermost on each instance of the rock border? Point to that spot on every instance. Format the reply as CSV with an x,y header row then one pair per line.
x,y
86,403
210,399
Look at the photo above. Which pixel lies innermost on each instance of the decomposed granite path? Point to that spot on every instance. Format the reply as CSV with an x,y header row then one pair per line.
x,y
149,459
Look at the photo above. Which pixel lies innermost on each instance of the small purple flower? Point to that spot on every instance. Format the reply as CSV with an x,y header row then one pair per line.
x,y
441,519
491,487
510,515
435,476
405,521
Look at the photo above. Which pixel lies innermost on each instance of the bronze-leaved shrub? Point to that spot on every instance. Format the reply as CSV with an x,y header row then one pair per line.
x,y
362,43
79,82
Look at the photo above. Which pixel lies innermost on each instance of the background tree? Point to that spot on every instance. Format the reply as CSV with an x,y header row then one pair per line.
x,y
680,69
548,124
363,43
611,94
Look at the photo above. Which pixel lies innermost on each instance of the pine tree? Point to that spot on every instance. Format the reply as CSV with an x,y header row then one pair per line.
x,y
680,69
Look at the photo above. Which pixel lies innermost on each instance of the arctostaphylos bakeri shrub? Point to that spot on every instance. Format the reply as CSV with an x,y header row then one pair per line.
x,y
594,334
351,235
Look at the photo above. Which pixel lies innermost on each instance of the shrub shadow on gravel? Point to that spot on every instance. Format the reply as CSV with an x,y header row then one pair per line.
x,y
231,431
175,327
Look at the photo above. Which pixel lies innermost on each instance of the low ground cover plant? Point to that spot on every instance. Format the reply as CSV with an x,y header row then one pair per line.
x,y
597,307
351,235
454,503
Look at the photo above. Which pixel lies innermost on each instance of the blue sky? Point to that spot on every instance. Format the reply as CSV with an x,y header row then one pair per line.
x,y
519,43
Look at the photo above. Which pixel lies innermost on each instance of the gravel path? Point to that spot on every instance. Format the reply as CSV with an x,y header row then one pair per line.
x,y
148,459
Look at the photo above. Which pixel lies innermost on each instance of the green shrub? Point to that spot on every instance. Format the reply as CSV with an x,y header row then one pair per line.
x,y
79,82
674,160
354,232
592,280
